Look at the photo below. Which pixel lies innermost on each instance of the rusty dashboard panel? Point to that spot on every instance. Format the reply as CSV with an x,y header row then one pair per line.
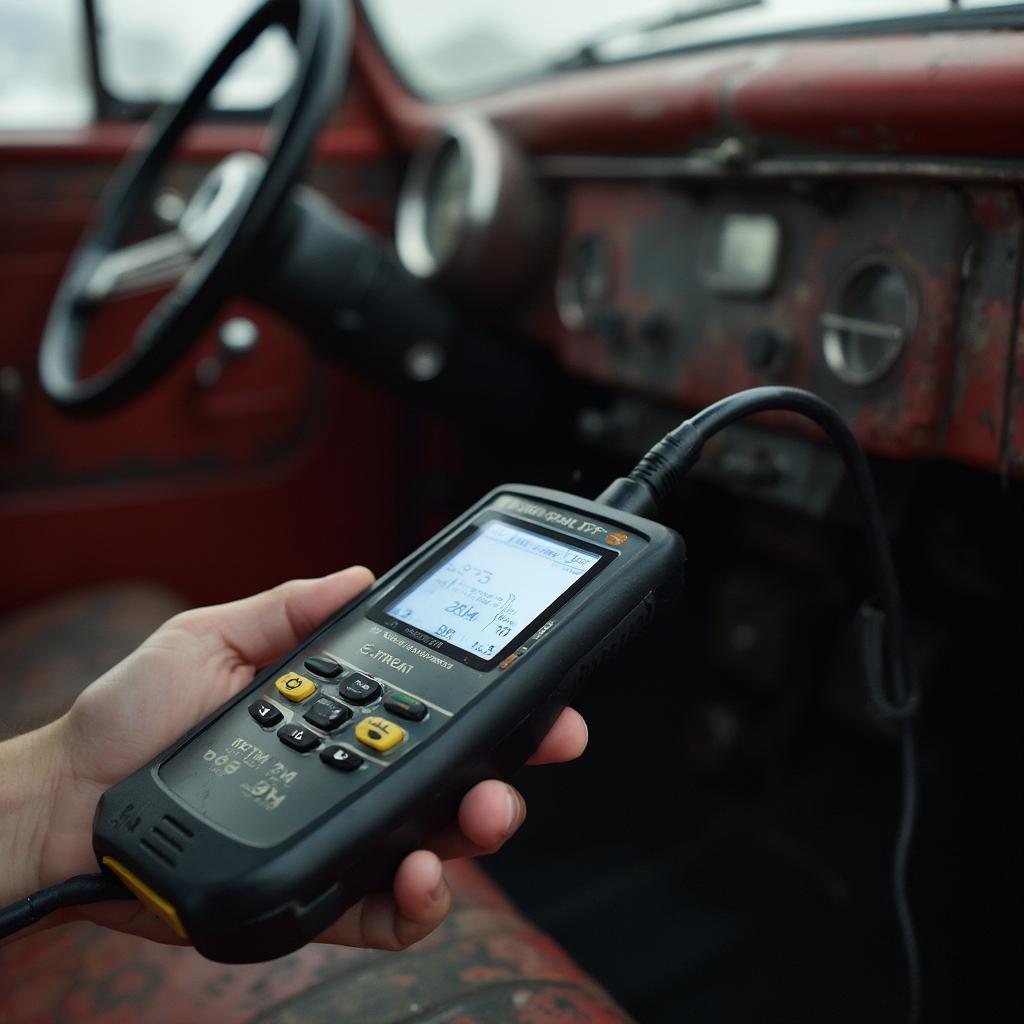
x,y
895,301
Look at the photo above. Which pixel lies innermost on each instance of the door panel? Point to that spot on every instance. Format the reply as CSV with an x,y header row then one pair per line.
x,y
217,490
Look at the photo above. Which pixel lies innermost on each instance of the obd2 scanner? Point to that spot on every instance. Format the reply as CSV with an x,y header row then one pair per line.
x,y
254,831
259,827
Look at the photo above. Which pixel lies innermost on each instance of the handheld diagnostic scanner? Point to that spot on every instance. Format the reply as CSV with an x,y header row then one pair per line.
x,y
258,828
254,831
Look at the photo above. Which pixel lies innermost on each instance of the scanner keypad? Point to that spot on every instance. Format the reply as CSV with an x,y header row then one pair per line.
x,y
359,690
294,687
340,758
324,666
405,707
339,718
298,737
327,715
264,713
379,734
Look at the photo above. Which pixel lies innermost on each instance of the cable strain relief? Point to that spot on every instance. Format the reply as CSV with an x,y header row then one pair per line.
x,y
665,465
629,495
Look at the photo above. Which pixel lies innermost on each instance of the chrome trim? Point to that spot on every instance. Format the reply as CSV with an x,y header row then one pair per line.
x,y
161,260
149,264
885,332
479,145
567,303
706,166
220,195
832,324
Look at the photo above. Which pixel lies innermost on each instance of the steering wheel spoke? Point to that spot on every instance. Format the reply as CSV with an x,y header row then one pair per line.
x,y
153,263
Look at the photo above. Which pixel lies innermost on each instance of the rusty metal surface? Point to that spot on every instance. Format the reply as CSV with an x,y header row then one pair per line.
x,y
941,102
1013,458
945,397
938,93
977,414
952,93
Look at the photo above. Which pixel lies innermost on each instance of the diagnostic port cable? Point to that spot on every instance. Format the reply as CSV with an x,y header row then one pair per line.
x,y
888,668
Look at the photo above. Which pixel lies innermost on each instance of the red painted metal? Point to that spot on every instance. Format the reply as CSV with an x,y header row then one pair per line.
x,y
944,397
215,530
355,132
977,415
1013,459
943,93
215,493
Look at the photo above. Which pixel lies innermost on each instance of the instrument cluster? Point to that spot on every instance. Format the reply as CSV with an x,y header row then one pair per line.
x,y
877,294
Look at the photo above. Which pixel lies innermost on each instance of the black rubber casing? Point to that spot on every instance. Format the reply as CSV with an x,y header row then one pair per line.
x,y
243,903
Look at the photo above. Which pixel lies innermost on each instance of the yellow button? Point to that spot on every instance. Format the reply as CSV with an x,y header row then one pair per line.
x,y
379,733
295,687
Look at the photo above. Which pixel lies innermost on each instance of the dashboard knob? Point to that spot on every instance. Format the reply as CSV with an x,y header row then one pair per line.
x,y
658,331
610,326
768,351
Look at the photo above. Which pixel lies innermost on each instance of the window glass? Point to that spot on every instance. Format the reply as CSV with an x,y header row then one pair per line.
x,y
464,47
43,77
154,51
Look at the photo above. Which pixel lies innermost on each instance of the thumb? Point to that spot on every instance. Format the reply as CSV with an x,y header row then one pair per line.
x,y
263,627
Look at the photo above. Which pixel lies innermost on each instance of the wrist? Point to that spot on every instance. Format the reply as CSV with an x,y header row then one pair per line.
x,y
32,770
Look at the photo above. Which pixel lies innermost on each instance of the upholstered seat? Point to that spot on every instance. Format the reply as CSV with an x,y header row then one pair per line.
x,y
485,965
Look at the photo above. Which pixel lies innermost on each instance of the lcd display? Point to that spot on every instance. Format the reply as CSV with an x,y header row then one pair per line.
x,y
491,588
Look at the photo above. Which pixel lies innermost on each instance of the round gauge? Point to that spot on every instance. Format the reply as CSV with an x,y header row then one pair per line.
x,y
447,201
870,324
471,212
585,284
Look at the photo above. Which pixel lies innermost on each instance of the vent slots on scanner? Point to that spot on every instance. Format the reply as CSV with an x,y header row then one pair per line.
x,y
259,827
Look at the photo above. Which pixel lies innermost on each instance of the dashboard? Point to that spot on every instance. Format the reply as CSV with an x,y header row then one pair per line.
x,y
883,278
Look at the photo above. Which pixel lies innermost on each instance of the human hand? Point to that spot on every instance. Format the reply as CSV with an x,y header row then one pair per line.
x,y
51,779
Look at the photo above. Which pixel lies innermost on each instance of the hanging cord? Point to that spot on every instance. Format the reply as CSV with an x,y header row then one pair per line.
x,y
887,662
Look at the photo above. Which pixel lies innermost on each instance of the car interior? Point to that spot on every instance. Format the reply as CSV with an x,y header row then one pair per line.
x,y
288,285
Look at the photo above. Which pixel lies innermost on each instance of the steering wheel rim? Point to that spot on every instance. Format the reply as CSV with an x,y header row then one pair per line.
x,y
322,33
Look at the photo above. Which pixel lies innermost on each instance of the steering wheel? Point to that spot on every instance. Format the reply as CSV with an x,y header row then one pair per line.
x,y
225,220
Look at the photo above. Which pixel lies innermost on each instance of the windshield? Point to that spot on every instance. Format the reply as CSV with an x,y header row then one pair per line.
x,y
454,48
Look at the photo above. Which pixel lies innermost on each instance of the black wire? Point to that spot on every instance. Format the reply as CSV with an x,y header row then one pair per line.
x,y
72,892
886,653
901,855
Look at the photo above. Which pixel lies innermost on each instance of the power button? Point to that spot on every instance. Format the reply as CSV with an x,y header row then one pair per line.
x,y
295,687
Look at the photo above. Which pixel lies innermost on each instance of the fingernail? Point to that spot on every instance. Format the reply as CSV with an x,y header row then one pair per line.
x,y
514,810
437,893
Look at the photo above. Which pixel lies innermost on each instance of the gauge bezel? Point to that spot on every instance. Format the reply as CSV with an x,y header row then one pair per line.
x,y
831,348
478,145
505,220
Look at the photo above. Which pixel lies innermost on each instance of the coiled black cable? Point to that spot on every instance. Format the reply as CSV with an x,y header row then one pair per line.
x,y
887,661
